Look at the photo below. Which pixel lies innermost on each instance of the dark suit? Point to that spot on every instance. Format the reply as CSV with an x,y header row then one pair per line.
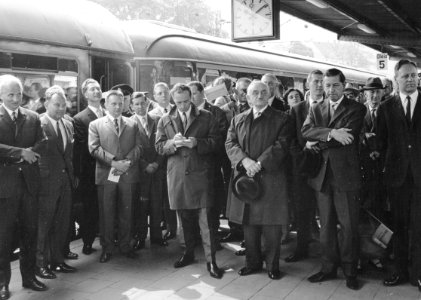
x,y
337,182
19,187
189,173
265,139
84,169
303,196
115,198
55,199
278,104
153,187
400,145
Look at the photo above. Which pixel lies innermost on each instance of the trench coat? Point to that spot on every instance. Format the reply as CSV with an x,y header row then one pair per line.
x,y
265,139
189,171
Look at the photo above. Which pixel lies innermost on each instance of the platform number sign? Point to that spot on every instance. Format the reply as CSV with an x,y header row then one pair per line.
x,y
382,61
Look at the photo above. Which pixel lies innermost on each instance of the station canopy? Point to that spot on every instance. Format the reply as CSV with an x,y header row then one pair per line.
x,y
389,26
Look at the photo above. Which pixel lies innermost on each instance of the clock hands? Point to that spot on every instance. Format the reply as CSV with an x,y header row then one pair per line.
x,y
262,7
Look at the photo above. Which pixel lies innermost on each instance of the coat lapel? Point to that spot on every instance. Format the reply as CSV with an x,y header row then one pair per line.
x,y
110,125
151,125
339,110
194,112
324,106
398,108
123,124
417,111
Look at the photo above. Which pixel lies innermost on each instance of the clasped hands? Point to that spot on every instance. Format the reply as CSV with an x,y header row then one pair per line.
x,y
252,167
182,141
29,155
121,166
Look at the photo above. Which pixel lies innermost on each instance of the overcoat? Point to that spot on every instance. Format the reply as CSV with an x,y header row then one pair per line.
x,y
189,171
265,139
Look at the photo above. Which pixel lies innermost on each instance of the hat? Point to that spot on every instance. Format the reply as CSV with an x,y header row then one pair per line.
x,y
124,88
350,88
247,189
373,83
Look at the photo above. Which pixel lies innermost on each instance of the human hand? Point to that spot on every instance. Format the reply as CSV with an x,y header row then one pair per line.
x,y
342,135
29,156
191,142
252,167
151,168
374,155
121,166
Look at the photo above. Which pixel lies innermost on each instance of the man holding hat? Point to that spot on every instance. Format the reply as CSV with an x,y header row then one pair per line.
x,y
127,91
257,145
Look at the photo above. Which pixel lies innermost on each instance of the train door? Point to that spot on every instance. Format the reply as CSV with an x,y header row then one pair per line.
x,y
110,71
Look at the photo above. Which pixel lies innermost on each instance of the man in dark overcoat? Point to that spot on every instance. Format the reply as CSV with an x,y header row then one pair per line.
x,y
258,141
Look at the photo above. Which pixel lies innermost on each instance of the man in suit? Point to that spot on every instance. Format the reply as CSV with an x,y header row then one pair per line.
x,y
153,188
198,99
161,93
127,91
84,163
258,143
114,141
336,124
238,104
21,139
274,101
399,142
55,200
304,196
189,137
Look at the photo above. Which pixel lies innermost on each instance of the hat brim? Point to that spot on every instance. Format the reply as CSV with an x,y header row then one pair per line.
x,y
247,189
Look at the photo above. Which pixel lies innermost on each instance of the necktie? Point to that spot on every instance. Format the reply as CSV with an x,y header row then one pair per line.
x,y
165,110
116,126
59,136
14,116
99,113
408,110
373,114
184,120
257,114
145,125
14,119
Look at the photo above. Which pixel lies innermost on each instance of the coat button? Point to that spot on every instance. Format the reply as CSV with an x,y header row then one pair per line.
x,y
409,146
187,172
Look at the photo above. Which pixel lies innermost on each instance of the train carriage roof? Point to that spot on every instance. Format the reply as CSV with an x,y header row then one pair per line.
x,y
77,24
151,39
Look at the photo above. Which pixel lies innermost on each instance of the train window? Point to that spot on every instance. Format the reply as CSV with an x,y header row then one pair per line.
x,y
5,60
34,62
69,65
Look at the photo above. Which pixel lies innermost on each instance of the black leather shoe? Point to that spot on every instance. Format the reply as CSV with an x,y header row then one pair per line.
x,y
169,235
296,256
214,271
230,237
4,293
131,255
352,283
159,242
240,252
185,260
105,256
45,273
64,268
275,274
71,255
395,279
34,284
87,249
139,244
321,276
247,271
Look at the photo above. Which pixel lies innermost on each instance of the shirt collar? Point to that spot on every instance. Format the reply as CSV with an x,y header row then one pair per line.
x,y
202,106
270,100
95,110
312,100
413,96
259,112
162,109
337,102
11,111
187,112
52,121
112,118
142,118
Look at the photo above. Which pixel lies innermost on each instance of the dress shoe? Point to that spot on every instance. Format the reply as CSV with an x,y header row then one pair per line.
x,y
87,249
169,235
230,237
64,268
321,276
296,256
105,256
395,279
185,260
71,255
214,271
139,244
240,252
247,271
131,255
243,244
4,293
275,274
352,283
45,273
159,242
34,284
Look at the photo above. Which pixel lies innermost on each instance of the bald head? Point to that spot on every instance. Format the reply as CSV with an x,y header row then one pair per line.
x,y
271,81
11,91
258,94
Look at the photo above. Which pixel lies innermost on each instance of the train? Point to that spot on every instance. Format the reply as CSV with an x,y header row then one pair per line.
x,y
65,42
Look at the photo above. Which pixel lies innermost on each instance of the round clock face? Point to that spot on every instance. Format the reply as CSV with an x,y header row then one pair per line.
x,y
252,18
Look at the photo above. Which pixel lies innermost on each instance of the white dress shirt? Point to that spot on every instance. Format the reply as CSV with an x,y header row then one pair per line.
x,y
414,97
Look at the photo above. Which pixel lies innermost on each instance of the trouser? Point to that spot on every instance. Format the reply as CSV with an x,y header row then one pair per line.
x,y
271,245
87,192
189,220
115,203
406,217
55,204
21,210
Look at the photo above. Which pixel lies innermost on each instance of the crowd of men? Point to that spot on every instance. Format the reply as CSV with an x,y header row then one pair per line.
x,y
133,162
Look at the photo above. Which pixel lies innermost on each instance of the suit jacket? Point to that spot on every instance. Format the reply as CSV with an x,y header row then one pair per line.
x,y
105,145
27,134
221,121
189,171
278,104
265,139
83,162
54,159
399,143
343,160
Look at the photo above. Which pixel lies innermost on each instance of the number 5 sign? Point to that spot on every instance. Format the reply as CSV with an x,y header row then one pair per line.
x,y
382,61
